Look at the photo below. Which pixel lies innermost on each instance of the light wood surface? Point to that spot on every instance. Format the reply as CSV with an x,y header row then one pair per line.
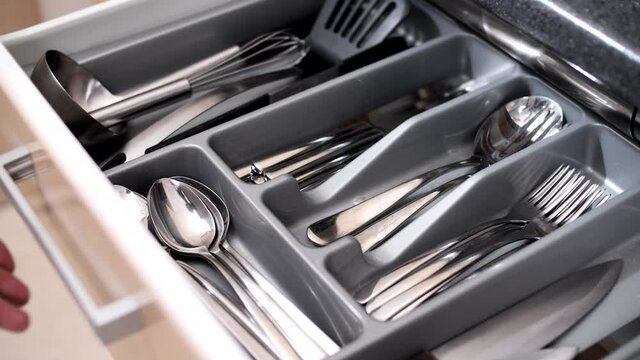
x,y
58,330
18,14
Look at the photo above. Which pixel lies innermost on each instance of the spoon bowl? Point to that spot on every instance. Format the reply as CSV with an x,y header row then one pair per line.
x,y
516,125
509,129
136,202
181,219
217,207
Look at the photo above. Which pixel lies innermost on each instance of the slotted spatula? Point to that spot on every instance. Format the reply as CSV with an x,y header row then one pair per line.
x,y
347,27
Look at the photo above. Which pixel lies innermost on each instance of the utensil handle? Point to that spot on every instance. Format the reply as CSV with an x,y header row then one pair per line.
x,y
303,344
250,336
237,280
379,231
297,316
112,320
356,217
112,114
278,160
416,295
373,289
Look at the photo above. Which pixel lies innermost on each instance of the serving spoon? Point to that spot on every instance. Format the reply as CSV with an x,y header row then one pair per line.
x,y
511,128
190,223
184,223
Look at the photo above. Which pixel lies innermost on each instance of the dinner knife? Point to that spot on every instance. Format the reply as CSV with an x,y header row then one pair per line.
x,y
533,323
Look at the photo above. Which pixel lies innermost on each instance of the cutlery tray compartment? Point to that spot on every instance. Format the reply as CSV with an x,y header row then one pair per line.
x,y
140,58
269,221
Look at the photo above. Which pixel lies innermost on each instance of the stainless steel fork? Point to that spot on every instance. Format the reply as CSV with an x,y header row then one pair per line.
x,y
563,197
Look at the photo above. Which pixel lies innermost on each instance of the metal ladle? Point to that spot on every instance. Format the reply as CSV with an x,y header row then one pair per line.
x,y
509,129
189,223
95,115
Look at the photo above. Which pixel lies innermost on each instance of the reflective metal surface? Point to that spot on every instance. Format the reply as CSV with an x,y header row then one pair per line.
x,y
509,129
562,197
307,339
184,223
136,203
241,326
95,115
582,86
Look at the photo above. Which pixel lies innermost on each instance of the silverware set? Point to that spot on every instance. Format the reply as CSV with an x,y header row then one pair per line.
x,y
509,129
192,221
313,162
561,198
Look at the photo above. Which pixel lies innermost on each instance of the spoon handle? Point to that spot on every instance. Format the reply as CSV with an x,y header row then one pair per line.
x,y
355,218
236,321
297,316
280,344
303,344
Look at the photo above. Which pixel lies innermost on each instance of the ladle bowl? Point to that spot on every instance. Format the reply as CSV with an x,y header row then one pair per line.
x,y
73,92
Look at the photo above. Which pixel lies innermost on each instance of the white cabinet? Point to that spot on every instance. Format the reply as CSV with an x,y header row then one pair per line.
x,y
136,298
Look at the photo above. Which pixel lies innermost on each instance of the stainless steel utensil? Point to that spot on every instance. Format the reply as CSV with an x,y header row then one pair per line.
x,y
561,353
514,126
136,202
159,130
197,227
233,318
184,223
95,115
306,337
308,166
536,321
312,163
561,198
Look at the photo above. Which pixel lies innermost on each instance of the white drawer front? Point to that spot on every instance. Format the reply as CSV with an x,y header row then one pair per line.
x,y
138,301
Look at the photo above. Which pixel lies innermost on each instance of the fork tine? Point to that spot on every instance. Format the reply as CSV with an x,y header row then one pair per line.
x,y
588,205
556,188
561,219
568,202
537,193
564,193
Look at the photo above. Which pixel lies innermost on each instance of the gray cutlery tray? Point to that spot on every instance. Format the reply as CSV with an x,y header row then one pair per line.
x,y
269,221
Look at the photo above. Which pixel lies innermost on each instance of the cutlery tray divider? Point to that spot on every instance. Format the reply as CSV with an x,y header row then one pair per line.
x,y
269,221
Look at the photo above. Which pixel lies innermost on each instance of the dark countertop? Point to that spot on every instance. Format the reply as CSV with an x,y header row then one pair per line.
x,y
601,37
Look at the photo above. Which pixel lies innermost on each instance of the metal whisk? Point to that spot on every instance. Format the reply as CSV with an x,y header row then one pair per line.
x,y
266,54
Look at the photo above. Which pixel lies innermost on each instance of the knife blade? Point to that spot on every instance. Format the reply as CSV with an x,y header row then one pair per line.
x,y
536,321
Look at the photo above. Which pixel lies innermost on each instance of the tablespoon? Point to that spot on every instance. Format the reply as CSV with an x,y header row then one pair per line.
x,y
184,223
304,334
511,128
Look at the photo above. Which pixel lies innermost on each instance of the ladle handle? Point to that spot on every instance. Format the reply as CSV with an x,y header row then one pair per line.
x,y
234,277
111,115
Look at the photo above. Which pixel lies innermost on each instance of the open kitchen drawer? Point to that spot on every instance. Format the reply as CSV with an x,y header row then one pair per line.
x,y
136,297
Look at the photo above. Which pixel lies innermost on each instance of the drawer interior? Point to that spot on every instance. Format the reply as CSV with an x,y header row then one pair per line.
x,y
269,221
